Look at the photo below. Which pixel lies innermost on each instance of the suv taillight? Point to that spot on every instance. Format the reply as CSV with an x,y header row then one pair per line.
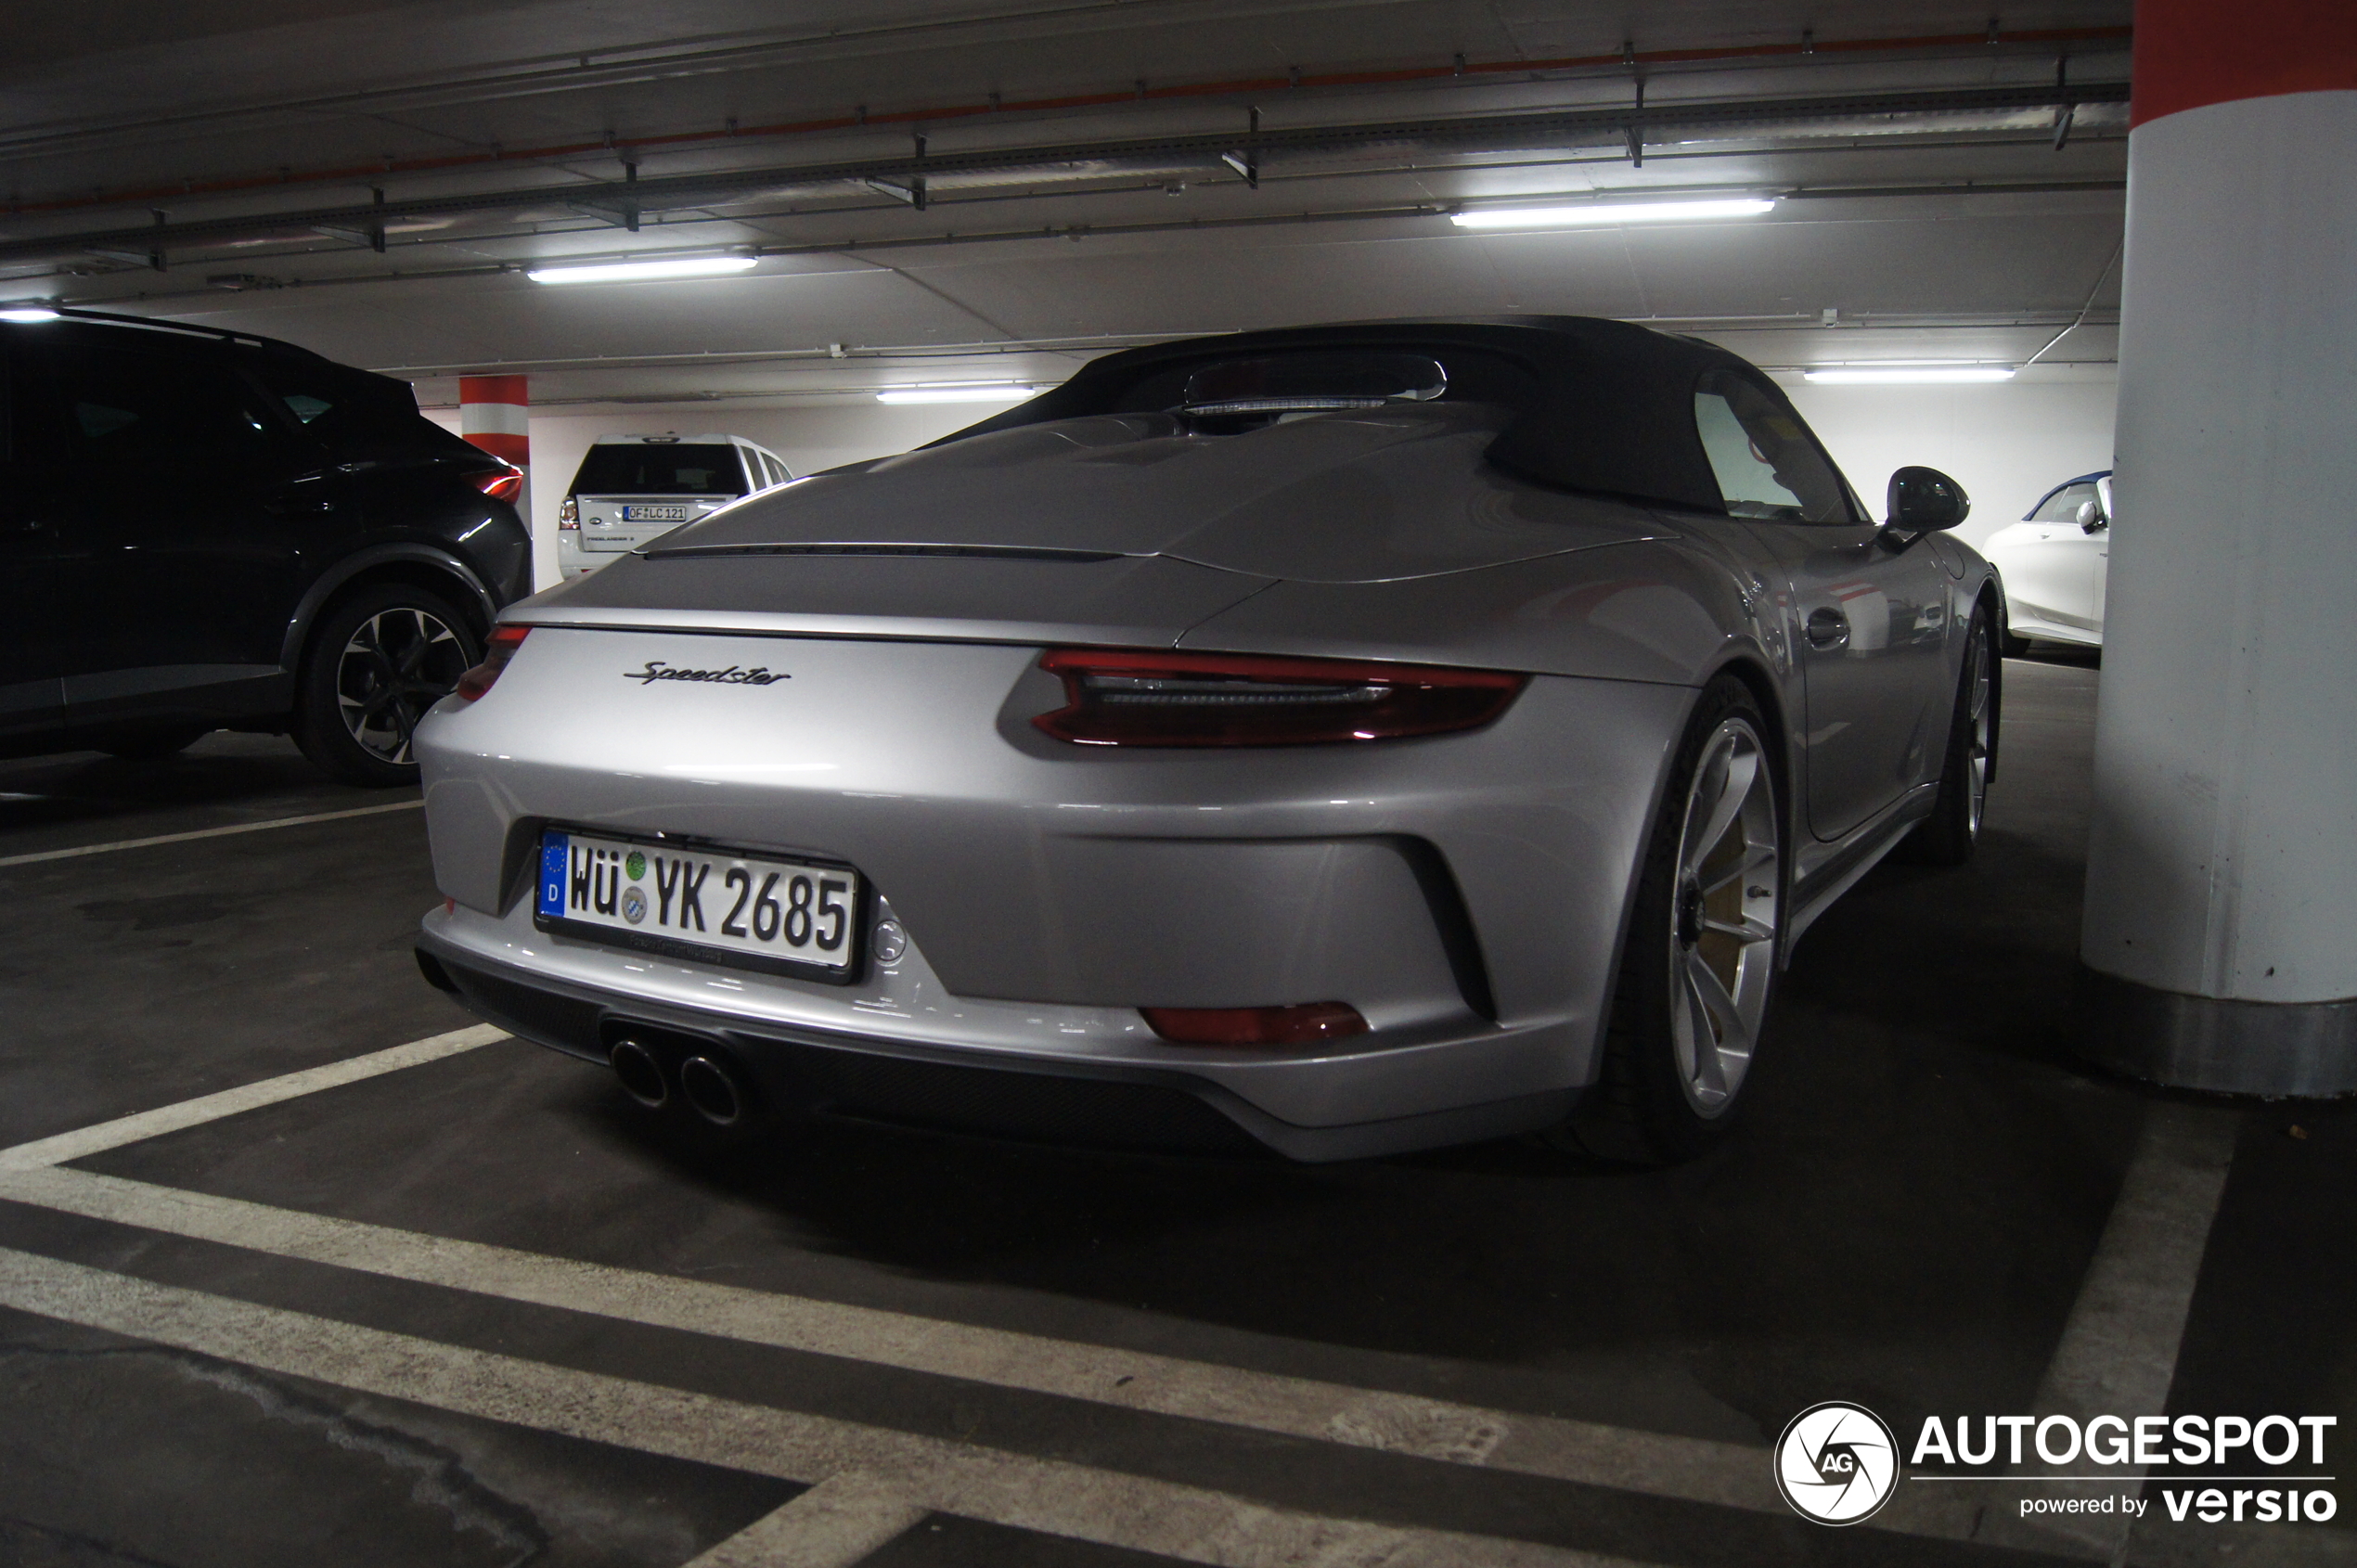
x,y
502,647
502,484
1133,697
568,513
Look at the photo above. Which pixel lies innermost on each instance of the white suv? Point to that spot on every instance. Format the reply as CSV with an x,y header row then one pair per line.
x,y
634,488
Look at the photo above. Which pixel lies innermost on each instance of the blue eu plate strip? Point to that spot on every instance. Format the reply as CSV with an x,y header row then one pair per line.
x,y
555,849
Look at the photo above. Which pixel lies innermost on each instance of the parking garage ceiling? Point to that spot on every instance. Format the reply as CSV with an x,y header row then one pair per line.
x,y
960,190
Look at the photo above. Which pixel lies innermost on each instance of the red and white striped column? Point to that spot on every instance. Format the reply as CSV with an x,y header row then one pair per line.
x,y
494,413
2224,851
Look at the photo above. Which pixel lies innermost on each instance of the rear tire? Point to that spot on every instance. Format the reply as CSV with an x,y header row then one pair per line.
x,y
376,662
1699,965
1952,832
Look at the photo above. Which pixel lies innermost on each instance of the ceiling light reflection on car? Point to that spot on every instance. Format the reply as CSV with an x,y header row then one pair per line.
x,y
1895,375
1589,214
958,391
631,271
27,312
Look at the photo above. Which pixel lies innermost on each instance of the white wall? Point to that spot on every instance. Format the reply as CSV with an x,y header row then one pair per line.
x,y
2006,444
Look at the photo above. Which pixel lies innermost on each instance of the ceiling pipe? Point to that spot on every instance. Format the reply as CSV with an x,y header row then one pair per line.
x,y
1501,132
1627,58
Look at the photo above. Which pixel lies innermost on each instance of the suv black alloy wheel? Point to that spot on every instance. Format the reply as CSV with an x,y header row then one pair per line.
x,y
375,663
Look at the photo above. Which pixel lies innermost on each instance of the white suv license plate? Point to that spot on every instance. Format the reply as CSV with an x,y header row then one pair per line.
x,y
655,514
786,917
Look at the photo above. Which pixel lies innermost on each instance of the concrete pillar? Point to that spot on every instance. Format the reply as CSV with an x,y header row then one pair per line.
x,y
2223,857
495,412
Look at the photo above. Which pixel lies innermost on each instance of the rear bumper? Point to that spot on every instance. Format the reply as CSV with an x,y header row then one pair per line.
x,y
1067,1099
1465,893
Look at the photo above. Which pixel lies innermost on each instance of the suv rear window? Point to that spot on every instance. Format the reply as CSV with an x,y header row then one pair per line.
x,y
633,470
350,412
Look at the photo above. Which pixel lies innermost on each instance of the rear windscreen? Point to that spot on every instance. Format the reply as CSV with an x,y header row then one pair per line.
x,y
685,470
1309,379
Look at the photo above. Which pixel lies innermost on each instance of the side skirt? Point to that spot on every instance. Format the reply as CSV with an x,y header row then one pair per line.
x,y
1814,893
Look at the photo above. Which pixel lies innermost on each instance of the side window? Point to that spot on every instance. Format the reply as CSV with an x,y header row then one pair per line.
x,y
147,411
1766,465
2063,505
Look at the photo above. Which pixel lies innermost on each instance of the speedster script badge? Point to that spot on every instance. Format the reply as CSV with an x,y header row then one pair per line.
x,y
734,674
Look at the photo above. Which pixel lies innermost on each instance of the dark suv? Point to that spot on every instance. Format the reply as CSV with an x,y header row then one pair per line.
x,y
202,529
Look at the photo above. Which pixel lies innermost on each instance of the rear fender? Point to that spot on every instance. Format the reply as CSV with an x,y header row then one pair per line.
x,y
455,579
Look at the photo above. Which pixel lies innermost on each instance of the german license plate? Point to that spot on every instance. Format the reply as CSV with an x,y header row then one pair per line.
x,y
655,514
694,901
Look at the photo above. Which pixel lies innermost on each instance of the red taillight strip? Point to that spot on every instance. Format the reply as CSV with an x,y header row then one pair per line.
x,y
1149,696
501,485
502,647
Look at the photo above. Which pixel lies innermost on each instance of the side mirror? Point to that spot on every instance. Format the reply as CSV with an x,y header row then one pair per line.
x,y
1922,500
2090,518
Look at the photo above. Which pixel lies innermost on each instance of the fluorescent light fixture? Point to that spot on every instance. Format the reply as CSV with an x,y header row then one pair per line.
x,y
1914,374
631,271
1594,213
27,312
958,391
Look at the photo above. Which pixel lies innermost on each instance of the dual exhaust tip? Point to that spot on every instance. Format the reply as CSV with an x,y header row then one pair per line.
x,y
712,1087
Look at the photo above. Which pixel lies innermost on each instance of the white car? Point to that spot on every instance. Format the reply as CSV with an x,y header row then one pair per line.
x,y
2053,562
634,488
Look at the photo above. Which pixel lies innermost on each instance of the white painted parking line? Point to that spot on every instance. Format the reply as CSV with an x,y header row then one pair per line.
x,y
1053,1497
2118,1349
247,1097
833,1524
1691,1469
110,847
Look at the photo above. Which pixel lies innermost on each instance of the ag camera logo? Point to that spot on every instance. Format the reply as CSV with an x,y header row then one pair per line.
x,y
1836,1463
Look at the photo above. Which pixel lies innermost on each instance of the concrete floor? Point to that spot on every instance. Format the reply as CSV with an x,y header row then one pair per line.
x,y
354,1325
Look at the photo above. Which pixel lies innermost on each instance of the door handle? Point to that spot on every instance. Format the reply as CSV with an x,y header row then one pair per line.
x,y
1827,628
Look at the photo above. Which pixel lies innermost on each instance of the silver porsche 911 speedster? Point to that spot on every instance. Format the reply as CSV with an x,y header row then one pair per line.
x,y
1339,740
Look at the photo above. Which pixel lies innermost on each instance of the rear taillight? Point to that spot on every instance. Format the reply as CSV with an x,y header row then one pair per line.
x,y
502,484
1296,1025
1129,697
569,514
502,647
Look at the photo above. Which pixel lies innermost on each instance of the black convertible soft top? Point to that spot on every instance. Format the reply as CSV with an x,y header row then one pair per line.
x,y
1602,407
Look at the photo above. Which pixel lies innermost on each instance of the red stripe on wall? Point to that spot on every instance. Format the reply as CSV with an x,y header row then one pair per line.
x,y
494,389
2193,53
515,449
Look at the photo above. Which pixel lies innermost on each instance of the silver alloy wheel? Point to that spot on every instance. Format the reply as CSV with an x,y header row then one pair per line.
x,y
398,663
1976,709
1723,940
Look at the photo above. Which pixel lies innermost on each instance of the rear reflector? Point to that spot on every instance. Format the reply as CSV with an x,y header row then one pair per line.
x,y
502,484
504,642
1135,697
1255,1026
